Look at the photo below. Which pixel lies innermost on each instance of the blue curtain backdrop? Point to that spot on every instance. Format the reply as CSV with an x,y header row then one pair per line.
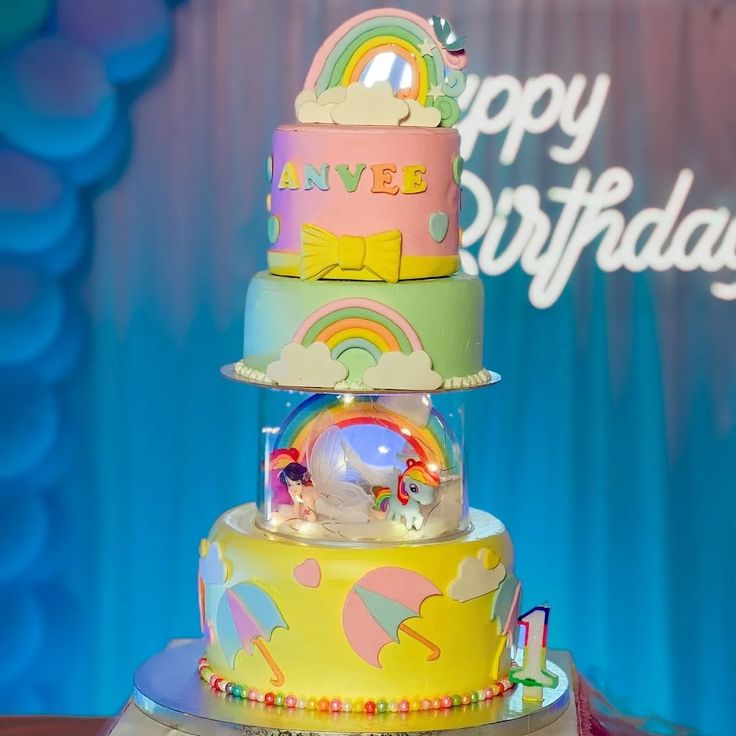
x,y
608,449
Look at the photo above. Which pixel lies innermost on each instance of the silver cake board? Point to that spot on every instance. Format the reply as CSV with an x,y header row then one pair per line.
x,y
169,693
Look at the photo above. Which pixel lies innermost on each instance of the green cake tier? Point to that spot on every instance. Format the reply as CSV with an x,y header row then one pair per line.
x,y
422,335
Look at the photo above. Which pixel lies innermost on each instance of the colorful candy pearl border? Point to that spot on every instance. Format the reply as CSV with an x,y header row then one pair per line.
x,y
337,705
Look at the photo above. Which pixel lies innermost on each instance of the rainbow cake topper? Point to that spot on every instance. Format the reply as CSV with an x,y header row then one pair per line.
x,y
336,89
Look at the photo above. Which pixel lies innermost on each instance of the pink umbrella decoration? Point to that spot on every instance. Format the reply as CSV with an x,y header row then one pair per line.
x,y
377,607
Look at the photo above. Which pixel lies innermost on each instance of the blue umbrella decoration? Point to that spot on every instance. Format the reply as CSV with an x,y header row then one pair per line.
x,y
247,616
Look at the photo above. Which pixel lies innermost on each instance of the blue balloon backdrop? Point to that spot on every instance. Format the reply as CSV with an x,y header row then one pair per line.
x,y
609,447
69,71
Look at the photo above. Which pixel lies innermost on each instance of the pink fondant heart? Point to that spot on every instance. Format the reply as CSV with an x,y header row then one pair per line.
x,y
308,573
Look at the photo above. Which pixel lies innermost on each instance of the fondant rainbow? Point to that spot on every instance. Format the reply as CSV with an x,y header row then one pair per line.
x,y
434,443
345,54
358,323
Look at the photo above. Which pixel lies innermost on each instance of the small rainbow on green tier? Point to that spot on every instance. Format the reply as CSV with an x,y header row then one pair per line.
x,y
433,443
436,76
358,323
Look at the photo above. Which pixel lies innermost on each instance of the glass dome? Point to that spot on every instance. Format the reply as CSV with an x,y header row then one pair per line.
x,y
347,467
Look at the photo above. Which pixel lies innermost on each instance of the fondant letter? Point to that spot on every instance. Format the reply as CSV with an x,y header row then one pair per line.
x,y
382,175
312,177
350,179
289,179
413,181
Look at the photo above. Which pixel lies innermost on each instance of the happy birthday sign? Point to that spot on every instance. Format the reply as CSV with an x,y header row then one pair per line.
x,y
666,236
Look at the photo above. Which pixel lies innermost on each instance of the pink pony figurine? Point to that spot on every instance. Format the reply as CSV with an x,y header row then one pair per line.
x,y
415,488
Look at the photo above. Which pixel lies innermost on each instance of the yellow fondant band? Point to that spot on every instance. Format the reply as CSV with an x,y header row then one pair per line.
x,y
412,267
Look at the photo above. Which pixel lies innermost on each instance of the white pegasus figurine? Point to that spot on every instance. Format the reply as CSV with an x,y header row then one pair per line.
x,y
337,497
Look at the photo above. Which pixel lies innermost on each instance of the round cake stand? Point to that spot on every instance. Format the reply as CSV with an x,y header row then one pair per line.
x,y
169,689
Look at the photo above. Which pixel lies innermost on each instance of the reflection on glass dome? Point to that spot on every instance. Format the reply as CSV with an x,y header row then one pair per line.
x,y
399,69
363,468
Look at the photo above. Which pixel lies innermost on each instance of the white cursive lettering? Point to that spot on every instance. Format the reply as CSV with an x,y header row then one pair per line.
x,y
659,238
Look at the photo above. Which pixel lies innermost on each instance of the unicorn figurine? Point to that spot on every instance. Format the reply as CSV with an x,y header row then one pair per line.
x,y
415,488
401,498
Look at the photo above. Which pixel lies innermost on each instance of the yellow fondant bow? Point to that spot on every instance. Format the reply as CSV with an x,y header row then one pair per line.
x,y
323,251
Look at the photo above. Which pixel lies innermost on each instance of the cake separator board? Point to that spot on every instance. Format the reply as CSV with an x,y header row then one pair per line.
x,y
228,371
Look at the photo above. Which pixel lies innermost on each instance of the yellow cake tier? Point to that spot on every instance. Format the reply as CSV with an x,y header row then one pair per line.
x,y
371,621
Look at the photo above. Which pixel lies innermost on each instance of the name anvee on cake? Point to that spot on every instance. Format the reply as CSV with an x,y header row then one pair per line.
x,y
381,175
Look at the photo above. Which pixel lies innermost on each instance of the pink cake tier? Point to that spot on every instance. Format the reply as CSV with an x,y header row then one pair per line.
x,y
368,203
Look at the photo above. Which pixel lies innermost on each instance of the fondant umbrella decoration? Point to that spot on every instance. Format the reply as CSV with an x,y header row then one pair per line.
x,y
214,572
377,607
506,604
202,610
247,616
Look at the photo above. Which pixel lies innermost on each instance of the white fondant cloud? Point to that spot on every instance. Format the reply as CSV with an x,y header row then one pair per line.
x,y
333,95
213,568
357,104
396,370
308,110
420,116
313,112
313,109
306,366
306,95
374,105
474,579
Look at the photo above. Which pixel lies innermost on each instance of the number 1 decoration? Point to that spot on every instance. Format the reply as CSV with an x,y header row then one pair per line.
x,y
532,674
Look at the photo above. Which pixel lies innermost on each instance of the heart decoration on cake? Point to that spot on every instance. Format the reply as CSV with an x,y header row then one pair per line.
x,y
309,573
274,229
438,225
457,168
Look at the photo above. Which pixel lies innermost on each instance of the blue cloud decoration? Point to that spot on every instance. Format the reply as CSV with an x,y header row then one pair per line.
x,y
69,71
